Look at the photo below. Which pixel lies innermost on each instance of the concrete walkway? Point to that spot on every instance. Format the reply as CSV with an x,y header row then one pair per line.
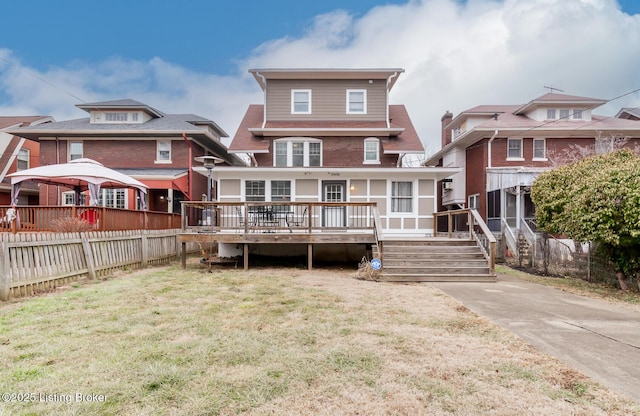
x,y
595,337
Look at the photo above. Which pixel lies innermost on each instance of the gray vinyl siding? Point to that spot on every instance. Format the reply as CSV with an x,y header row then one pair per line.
x,y
328,99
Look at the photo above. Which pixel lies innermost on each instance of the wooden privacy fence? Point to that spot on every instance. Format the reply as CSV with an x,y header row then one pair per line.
x,y
32,262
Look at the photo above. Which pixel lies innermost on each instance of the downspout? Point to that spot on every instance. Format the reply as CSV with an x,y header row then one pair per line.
x,y
254,162
190,170
264,108
489,148
395,74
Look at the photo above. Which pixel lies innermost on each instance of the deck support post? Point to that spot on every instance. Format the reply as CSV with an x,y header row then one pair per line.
x,y
184,255
309,256
246,256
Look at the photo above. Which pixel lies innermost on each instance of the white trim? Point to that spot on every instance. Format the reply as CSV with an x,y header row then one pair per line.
x,y
289,153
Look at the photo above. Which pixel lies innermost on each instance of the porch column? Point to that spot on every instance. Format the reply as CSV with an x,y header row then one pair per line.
x,y
170,200
518,206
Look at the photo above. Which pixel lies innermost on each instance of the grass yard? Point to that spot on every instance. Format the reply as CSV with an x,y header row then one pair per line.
x,y
274,341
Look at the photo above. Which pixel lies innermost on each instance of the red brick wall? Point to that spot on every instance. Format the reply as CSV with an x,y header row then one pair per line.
x,y
122,154
476,174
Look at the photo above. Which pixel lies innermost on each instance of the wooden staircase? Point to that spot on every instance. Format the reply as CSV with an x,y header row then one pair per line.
x,y
434,260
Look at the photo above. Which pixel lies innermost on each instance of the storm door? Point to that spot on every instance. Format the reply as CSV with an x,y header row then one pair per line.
x,y
333,216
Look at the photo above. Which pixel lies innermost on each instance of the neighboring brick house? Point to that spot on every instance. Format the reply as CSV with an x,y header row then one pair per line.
x,y
503,148
17,153
156,148
330,135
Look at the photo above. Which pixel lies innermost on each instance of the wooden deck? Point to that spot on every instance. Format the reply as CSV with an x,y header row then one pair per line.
x,y
301,223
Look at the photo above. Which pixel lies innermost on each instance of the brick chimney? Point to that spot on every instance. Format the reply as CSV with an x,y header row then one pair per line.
x,y
446,133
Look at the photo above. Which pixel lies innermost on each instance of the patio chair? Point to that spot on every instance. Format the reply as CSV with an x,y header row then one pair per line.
x,y
296,220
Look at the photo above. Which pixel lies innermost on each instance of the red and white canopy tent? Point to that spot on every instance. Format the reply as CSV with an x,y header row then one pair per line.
x,y
79,175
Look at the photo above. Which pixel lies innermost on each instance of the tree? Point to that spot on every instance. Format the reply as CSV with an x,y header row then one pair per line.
x,y
596,199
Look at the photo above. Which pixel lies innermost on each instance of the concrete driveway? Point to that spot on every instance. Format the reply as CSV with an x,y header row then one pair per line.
x,y
597,338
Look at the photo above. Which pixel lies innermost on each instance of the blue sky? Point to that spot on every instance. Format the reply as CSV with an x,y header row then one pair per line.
x,y
192,56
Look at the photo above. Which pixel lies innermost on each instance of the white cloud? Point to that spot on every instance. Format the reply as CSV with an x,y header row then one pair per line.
x,y
456,54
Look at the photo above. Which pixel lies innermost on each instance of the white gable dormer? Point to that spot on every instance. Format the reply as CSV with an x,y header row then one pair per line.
x,y
118,117
561,107
125,111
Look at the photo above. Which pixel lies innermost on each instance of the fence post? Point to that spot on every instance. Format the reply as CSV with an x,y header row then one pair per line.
x,y
88,255
145,248
5,272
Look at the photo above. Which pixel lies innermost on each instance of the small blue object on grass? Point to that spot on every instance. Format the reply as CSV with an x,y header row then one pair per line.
x,y
376,264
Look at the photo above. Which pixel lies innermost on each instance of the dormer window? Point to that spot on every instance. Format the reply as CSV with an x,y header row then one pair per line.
x,y
551,113
564,113
117,117
577,114
356,101
371,151
300,101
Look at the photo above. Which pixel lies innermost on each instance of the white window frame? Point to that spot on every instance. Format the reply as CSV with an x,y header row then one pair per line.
x,y
393,209
113,198
544,149
71,155
567,114
306,155
256,197
364,101
68,198
368,152
509,141
577,114
159,158
24,157
293,101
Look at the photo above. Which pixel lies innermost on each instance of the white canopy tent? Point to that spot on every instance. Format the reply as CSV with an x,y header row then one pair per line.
x,y
79,175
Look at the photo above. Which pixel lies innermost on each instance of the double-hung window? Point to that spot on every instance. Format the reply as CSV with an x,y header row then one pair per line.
x,y
551,113
371,150
539,149
75,150
297,153
564,113
514,149
300,101
163,151
401,196
356,101
23,159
